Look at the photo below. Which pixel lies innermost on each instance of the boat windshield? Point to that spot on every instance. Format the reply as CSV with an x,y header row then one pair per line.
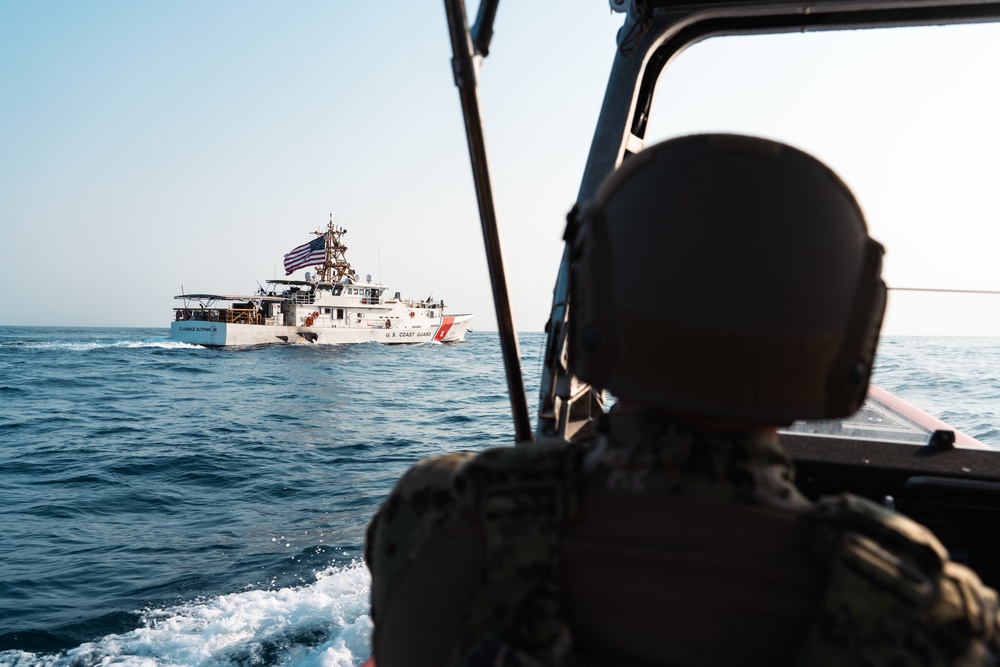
x,y
907,117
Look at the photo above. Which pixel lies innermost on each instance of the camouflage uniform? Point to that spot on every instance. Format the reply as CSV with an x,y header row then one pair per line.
x,y
890,596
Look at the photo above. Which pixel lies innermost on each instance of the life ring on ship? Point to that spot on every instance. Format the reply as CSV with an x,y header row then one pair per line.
x,y
315,314
412,314
309,320
363,301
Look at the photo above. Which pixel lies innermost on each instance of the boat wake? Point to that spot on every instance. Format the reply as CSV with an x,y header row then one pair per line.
x,y
324,624
162,343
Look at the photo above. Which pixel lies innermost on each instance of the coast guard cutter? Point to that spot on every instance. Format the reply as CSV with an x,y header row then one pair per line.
x,y
331,306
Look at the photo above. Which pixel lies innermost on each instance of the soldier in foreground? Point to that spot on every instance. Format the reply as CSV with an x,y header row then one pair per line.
x,y
723,286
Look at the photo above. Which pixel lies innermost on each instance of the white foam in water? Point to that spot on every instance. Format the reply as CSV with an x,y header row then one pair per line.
x,y
277,627
95,345
159,342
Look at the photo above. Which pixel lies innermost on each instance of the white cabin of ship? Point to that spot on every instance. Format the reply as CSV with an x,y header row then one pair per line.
x,y
347,304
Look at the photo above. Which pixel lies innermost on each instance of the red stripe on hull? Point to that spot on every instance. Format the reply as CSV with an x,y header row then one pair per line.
x,y
444,329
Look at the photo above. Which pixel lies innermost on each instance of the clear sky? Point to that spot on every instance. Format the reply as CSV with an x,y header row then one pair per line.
x,y
149,145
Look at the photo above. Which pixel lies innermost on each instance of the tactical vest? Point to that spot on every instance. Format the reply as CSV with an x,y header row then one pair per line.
x,y
892,597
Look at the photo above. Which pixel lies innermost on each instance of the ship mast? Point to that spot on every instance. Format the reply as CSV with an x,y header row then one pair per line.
x,y
336,267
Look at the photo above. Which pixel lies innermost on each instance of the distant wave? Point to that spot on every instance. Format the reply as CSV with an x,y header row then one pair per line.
x,y
98,345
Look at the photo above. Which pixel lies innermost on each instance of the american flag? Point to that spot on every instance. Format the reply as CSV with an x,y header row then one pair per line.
x,y
306,254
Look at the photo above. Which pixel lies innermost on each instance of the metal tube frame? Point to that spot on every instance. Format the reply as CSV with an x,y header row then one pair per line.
x,y
661,30
654,33
467,55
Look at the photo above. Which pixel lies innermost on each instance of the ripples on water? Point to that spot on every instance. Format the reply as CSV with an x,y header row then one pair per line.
x,y
165,504
957,379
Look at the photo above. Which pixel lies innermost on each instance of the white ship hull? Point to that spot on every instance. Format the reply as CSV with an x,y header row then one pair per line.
x,y
447,329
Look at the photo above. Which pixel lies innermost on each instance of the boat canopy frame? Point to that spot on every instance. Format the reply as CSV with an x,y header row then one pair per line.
x,y
655,32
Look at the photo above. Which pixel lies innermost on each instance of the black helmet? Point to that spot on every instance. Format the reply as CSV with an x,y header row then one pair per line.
x,y
727,276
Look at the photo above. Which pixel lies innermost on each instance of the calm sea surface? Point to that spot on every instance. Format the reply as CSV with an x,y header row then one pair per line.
x,y
163,504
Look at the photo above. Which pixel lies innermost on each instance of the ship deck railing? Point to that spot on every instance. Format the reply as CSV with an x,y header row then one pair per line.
x,y
301,298
225,315
410,303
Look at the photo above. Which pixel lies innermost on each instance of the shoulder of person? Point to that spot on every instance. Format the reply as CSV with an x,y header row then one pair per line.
x,y
894,595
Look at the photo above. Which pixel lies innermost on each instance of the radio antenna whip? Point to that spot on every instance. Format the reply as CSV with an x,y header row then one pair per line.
x,y
467,54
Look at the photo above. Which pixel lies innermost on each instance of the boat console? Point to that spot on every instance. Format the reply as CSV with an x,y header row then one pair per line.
x,y
955,492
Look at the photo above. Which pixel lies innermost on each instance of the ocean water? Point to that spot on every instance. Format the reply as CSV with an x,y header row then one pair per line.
x,y
164,504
